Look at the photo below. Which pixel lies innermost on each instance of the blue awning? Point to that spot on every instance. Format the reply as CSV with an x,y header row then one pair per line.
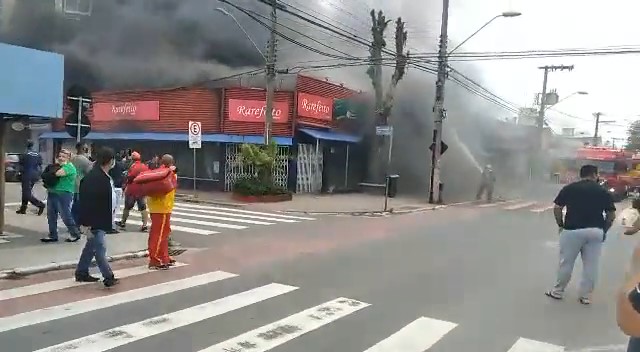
x,y
331,135
168,137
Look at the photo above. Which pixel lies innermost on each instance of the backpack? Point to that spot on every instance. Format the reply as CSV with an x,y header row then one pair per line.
x,y
49,178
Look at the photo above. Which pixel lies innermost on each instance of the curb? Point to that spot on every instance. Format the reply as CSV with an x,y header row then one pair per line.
x,y
192,199
38,269
367,212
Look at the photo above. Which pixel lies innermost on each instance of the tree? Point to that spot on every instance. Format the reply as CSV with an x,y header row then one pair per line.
x,y
633,140
384,100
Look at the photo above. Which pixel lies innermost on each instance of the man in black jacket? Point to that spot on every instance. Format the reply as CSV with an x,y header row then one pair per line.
x,y
97,197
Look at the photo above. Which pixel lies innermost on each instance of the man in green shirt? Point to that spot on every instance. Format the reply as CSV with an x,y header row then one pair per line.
x,y
59,199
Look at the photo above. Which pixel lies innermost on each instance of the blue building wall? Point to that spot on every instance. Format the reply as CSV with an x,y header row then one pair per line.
x,y
31,82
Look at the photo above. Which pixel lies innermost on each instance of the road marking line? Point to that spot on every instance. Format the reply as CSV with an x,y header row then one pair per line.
x,y
12,204
418,336
74,308
277,333
520,206
240,211
179,228
526,345
120,336
489,205
543,209
4,241
56,285
202,216
232,214
198,222
11,235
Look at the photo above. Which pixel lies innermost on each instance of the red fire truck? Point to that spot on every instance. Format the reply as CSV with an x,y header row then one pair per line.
x,y
614,166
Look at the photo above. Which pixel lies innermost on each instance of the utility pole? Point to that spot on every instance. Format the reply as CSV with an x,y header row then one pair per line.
x,y
435,195
543,97
271,73
543,105
595,134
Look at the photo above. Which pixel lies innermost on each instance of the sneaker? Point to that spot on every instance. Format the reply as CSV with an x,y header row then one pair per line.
x,y
553,295
121,225
144,228
86,278
584,300
172,262
110,282
48,240
72,239
41,210
21,211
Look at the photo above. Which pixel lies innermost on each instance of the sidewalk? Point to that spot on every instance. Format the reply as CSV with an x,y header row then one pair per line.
x,y
22,247
315,203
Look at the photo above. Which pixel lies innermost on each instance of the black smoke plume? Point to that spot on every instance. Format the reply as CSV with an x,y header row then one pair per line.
x,y
138,43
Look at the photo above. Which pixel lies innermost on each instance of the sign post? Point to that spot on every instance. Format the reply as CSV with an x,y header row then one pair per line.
x,y
386,131
195,142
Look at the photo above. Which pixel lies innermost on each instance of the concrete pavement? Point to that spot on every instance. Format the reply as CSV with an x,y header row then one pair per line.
x,y
193,225
469,279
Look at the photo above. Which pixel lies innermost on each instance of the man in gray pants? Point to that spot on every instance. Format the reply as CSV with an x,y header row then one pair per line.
x,y
590,214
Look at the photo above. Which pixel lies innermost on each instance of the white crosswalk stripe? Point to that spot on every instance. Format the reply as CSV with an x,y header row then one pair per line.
x,y
7,237
210,220
536,207
420,335
526,345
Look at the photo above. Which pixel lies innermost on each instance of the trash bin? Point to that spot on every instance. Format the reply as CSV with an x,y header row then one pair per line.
x,y
392,185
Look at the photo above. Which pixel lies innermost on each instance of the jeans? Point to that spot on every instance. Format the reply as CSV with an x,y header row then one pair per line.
x,y
27,192
60,203
634,344
95,248
588,244
75,208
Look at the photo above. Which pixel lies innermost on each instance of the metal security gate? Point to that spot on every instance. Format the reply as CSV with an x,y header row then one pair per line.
x,y
233,168
310,162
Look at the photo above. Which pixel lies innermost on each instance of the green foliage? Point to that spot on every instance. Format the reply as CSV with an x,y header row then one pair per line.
x,y
254,186
633,141
262,160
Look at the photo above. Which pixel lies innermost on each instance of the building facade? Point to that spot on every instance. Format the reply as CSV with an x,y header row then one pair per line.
x,y
312,144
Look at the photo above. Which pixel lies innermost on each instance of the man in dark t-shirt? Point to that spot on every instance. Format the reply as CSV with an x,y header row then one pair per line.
x,y
589,215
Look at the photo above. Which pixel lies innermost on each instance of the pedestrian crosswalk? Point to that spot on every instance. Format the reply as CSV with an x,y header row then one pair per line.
x,y
200,219
414,334
518,205
7,237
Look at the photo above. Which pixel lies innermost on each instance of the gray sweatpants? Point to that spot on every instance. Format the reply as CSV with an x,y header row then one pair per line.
x,y
587,243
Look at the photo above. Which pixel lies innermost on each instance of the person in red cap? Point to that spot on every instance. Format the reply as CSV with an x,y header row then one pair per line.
x,y
131,200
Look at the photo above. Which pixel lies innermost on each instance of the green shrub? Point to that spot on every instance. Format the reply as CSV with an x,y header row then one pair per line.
x,y
262,160
254,186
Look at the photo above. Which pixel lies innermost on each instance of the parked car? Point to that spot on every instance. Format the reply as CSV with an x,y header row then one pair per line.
x,y
12,167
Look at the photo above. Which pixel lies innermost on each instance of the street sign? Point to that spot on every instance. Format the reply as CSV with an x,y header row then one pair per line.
x,y
384,130
195,135
443,147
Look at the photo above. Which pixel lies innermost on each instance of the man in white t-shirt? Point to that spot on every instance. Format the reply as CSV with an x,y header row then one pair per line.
x,y
630,218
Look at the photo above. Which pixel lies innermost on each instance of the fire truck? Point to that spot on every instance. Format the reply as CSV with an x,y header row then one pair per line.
x,y
619,170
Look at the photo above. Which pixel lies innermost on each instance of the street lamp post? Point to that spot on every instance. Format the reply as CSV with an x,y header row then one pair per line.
x,y
439,111
580,92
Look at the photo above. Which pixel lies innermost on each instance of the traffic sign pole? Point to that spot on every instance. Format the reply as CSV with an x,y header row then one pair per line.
x,y
195,142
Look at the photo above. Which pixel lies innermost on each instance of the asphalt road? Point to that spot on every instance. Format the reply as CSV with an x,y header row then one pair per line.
x,y
466,278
